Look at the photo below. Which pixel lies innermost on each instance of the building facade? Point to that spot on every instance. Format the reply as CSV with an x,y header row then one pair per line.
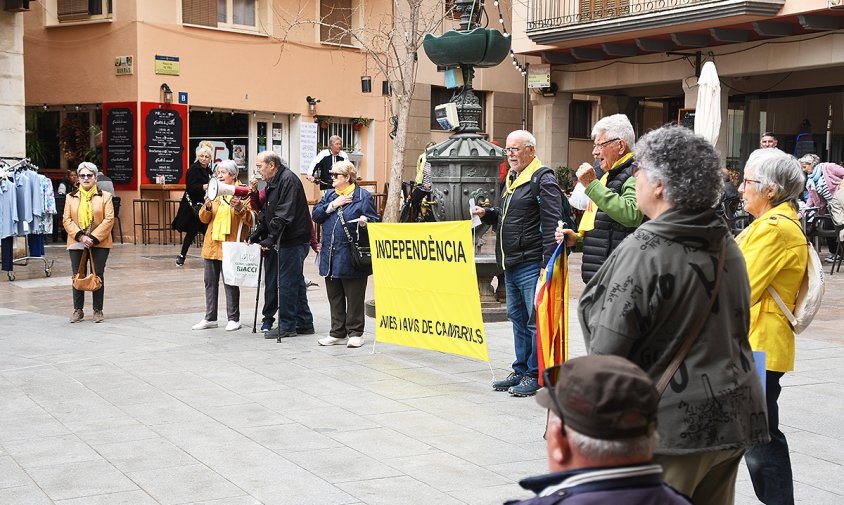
x,y
780,64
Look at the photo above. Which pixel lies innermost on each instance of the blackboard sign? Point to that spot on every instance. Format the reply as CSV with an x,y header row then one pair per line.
x,y
164,148
119,143
686,117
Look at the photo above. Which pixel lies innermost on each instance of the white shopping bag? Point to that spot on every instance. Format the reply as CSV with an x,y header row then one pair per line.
x,y
241,263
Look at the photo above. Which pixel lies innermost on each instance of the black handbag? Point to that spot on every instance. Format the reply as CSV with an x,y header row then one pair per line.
x,y
361,255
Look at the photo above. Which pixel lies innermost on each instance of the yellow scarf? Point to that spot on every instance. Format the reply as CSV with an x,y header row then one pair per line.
x,y
86,211
348,191
524,176
222,220
587,222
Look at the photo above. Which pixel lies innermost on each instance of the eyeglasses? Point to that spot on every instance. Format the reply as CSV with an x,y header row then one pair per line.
x,y
514,150
746,180
335,175
600,145
86,176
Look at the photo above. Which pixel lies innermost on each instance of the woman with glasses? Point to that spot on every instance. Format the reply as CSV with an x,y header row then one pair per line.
x,y
656,289
88,219
776,254
343,213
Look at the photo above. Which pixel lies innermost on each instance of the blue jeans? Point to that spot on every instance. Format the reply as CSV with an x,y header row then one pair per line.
x,y
520,281
769,464
293,310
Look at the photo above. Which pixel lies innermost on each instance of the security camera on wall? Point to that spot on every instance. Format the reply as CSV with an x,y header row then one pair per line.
x,y
446,115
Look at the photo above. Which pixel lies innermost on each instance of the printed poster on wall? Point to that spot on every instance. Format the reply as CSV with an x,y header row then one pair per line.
x,y
119,141
307,144
164,136
440,312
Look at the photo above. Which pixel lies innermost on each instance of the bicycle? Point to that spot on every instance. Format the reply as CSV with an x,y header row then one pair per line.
x,y
418,204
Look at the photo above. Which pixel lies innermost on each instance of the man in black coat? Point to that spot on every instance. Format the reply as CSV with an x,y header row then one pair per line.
x,y
285,225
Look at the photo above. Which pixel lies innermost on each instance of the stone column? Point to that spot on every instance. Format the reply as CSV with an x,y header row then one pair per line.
x,y
12,97
551,128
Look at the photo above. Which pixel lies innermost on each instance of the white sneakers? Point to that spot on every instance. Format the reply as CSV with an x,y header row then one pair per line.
x,y
204,325
233,325
352,342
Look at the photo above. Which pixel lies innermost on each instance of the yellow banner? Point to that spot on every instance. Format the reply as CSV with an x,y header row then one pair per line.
x,y
426,288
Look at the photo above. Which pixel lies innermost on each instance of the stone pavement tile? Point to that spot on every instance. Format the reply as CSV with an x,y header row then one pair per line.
x,y
804,493
394,490
518,470
24,495
29,426
286,438
209,396
51,451
82,409
426,376
817,472
341,464
125,498
823,447
245,415
11,474
239,500
364,402
361,374
382,443
394,359
446,472
400,390
76,480
490,495
285,401
315,383
108,431
171,381
481,449
182,484
422,426
245,381
132,393
149,454
331,419
168,411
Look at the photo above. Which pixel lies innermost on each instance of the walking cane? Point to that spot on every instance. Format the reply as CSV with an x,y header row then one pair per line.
x,y
258,291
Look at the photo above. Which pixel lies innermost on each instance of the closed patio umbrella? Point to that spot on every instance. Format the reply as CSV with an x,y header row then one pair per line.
x,y
708,107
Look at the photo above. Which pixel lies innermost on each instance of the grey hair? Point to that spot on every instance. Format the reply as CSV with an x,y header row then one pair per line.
x,y
332,138
810,159
347,168
686,164
779,171
616,126
596,449
229,166
525,135
87,165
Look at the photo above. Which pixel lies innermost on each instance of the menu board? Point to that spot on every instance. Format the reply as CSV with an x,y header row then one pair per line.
x,y
164,137
119,142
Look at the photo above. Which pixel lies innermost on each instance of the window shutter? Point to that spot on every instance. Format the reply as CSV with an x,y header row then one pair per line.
x,y
199,12
71,8
339,14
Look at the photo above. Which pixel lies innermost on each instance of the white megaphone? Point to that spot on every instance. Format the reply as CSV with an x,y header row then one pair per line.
x,y
217,188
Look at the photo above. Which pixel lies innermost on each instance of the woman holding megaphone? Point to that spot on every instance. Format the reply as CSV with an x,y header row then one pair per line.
x,y
223,216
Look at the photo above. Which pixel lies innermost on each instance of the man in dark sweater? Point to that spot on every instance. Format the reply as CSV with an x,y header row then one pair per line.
x,y
285,225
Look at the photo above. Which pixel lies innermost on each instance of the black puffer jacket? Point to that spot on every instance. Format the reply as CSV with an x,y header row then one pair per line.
x,y
601,241
525,229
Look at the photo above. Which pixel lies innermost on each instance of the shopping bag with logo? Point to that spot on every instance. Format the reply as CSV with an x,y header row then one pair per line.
x,y
241,263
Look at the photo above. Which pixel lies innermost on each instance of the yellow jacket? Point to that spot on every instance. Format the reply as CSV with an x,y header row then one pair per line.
x,y
213,249
776,254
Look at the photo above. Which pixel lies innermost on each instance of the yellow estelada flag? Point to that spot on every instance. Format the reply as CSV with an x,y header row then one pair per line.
x,y
426,287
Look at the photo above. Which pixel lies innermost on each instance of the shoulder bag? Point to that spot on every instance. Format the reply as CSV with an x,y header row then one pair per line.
x,y
361,255
693,334
193,206
90,282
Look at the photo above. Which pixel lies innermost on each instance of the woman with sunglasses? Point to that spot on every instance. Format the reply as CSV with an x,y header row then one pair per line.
x,y
344,212
88,219
656,289
776,254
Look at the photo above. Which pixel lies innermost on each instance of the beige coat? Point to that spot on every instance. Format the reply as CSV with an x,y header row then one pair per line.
x,y
213,249
103,218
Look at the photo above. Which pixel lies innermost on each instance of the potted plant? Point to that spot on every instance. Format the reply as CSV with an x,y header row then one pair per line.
x,y
360,122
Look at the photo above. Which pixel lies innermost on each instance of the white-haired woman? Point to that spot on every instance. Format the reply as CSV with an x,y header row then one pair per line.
x,y
196,182
223,216
88,219
776,254
656,288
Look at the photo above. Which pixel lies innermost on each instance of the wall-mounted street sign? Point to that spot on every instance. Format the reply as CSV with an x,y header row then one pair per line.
x,y
539,76
166,65
183,97
123,65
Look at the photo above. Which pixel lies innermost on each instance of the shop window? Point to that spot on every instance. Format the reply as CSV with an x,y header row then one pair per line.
x,y
228,133
42,137
580,119
339,18
236,14
440,95
78,10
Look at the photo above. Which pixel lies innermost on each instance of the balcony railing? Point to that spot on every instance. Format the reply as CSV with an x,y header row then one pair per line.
x,y
544,14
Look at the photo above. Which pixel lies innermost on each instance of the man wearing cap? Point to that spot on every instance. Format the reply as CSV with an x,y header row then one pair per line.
x,y
601,435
